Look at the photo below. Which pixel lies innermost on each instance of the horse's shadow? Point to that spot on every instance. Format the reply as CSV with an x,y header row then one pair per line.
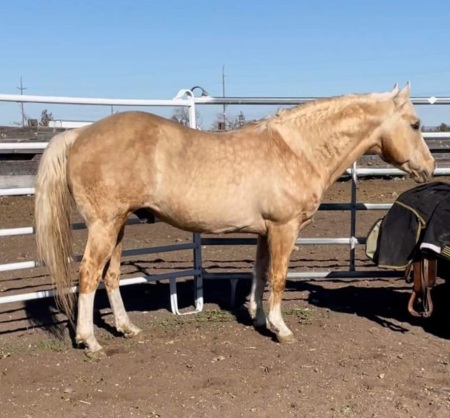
x,y
150,297
385,305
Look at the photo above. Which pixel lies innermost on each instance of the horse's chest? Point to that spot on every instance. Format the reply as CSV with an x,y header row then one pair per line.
x,y
287,206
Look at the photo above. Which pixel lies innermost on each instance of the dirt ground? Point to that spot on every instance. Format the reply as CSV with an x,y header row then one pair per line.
x,y
359,353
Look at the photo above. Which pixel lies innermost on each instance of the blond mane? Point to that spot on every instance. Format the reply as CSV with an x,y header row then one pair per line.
x,y
325,107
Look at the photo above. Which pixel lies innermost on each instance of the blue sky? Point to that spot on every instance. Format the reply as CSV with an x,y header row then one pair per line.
x,y
151,49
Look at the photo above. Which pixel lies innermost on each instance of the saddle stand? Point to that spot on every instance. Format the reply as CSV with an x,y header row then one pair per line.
x,y
424,272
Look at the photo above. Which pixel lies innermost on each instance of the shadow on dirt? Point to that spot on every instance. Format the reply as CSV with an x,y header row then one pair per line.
x,y
153,296
382,305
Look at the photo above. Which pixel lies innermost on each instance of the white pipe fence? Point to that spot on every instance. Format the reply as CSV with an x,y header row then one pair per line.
x,y
186,98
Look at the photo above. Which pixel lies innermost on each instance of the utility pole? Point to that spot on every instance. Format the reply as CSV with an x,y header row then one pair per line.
x,y
223,95
22,88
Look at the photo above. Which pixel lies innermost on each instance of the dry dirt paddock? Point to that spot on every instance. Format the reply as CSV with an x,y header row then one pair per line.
x,y
359,353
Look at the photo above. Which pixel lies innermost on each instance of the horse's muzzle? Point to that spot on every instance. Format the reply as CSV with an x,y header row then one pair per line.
x,y
421,176
428,174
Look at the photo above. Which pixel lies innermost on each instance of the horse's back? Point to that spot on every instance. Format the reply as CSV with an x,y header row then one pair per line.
x,y
137,159
127,130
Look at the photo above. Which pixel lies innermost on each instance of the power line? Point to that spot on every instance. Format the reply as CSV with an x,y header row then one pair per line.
x,y
22,88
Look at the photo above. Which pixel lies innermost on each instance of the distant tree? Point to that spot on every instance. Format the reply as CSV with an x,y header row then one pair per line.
x,y
233,123
218,124
46,117
181,115
443,127
238,121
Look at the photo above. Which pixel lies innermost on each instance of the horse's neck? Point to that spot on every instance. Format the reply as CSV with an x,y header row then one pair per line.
x,y
332,145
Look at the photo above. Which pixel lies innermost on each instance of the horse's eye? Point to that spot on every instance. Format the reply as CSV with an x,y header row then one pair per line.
x,y
416,126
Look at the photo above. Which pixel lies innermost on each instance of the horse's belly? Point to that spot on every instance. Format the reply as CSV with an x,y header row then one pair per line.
x,y
210,218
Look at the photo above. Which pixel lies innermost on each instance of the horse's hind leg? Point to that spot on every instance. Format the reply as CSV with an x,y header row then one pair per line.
x,y
281,240
111,279
256,308
102,239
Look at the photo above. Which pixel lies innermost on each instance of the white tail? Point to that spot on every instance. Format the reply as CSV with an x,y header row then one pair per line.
x,y
53,204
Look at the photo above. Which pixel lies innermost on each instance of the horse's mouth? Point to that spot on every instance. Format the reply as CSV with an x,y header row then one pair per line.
x,y
419,176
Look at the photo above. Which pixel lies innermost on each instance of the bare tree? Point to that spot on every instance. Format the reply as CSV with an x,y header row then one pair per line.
x,y
443,127
234,122
46,117
238,121
181,115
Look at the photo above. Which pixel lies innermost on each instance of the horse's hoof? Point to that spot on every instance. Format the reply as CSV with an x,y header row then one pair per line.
x,y
286,339
128,330
96,355
131,333
260,323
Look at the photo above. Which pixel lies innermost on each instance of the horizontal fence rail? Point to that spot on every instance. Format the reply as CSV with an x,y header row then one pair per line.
x,y
177,101
90,101
360,172
33,146
185,98
297,100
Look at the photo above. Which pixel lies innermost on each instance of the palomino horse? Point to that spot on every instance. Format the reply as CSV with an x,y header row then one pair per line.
x,y
266,178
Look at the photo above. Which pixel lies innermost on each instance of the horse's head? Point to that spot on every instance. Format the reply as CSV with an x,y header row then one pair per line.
x,y
400,141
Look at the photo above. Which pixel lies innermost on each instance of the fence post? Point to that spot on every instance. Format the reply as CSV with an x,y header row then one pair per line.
x,y
198,279
354,173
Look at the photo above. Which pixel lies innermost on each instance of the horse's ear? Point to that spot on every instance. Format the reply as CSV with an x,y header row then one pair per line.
x,y
404,92
403,95
395,90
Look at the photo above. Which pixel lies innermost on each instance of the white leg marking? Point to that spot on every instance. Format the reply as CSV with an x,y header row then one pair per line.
x,y
123,323
257,307
277,323
85,322
252,304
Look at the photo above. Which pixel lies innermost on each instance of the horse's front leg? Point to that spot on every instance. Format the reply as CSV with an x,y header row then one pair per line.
x,y
281,240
